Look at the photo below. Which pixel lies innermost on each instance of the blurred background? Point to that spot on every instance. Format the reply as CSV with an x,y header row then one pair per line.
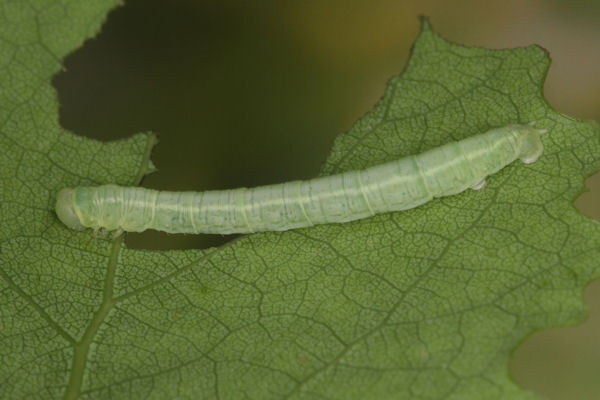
x,y
244,93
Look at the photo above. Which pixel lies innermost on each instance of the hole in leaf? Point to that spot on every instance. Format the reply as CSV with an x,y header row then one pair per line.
x,y
230,92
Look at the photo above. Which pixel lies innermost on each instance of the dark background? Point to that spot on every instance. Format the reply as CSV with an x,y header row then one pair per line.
x,y
244,93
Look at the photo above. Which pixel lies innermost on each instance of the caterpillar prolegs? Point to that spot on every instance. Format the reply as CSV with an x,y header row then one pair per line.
x,y
392,186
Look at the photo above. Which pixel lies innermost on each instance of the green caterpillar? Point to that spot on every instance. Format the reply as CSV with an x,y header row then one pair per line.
x,y
393,186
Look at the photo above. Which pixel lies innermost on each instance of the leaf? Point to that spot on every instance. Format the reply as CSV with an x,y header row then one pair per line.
x,y
426,303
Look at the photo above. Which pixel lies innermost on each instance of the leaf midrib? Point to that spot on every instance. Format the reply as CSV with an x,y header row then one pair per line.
x,y
81,348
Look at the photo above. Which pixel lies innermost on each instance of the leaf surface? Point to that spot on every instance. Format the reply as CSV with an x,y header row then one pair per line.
x,y
425,303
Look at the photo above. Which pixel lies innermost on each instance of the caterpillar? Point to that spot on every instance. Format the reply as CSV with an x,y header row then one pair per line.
x,y
397,185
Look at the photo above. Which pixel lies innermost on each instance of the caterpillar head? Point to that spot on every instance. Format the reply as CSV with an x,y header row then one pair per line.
x,y
65,209
530,143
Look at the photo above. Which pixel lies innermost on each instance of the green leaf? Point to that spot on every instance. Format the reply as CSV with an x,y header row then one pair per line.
x,y
426,303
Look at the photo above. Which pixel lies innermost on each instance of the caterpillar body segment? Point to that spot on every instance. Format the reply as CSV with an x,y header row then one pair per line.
x,y
393,186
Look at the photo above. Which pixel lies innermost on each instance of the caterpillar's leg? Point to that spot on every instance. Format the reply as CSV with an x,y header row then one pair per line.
x,y
100,233
117,233
480,185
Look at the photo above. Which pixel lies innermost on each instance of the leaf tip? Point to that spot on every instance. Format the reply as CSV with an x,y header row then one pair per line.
x,y
425,24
